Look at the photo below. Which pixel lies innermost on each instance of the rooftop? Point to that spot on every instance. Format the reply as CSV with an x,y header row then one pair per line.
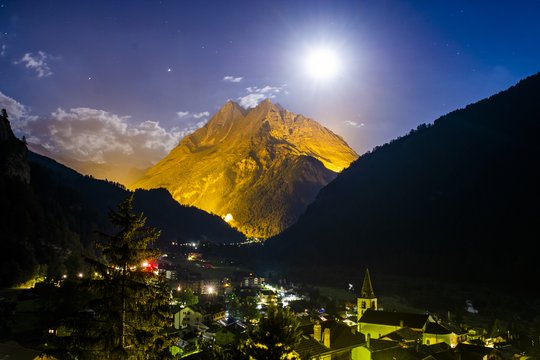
x,y
414,321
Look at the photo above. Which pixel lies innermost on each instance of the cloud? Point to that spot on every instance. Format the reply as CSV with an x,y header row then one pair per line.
x,y
192,128
88,134
233,79
353,123
256,95
201,114
95,135
250,100
197,115
36,62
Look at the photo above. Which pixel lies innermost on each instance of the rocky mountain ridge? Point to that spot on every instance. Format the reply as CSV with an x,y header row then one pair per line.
x,y
256,168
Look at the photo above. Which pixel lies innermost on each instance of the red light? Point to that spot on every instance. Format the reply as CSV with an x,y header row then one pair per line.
x,y
149,266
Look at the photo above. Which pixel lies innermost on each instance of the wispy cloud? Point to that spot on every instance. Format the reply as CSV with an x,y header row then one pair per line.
x,y
201,115
36,62
353,123
191,128
233,79
256,94
193,115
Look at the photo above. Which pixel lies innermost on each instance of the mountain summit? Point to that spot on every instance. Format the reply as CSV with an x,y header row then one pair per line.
x,y
257,168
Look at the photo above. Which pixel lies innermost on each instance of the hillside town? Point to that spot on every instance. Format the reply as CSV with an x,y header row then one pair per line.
x,y
220,312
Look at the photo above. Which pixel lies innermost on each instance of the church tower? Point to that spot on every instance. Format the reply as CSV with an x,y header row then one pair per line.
x,y
367,299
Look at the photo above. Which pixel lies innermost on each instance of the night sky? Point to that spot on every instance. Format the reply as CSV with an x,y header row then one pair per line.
x,y
122,81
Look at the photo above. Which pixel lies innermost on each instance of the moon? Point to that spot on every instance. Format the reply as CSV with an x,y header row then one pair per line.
x,y
322,63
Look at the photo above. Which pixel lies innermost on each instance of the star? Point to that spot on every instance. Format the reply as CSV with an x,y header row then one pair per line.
x,y
169,70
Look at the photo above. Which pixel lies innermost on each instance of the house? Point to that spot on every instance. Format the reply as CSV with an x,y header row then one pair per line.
x,y
475,352
377,349
188,316
375,324
329,340
381,349
231,333
435,333
213,312
406,337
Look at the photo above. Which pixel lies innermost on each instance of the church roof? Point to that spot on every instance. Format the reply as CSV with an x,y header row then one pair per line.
x,y
414,321
438,329
367,289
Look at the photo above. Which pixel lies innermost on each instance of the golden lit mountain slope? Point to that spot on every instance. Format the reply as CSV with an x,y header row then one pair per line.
x,y
261,166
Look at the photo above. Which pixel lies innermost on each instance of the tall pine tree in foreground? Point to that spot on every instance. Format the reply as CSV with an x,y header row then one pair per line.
x,y
129,315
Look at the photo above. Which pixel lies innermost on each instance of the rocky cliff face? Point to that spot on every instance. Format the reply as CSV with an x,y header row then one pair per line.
x,y
257,168
13,152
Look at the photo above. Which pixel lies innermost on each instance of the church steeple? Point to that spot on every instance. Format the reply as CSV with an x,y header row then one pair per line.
x,y
367,299
367,289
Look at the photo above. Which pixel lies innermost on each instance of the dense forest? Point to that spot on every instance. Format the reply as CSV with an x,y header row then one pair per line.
x,y
456,200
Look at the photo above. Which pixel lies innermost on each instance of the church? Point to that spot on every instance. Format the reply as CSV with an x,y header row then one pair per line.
x,y
375,323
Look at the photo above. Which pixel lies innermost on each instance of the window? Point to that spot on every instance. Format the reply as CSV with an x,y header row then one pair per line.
x,y
363,304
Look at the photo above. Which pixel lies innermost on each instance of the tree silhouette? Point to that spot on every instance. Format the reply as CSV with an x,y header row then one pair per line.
x,y
129,314
275,336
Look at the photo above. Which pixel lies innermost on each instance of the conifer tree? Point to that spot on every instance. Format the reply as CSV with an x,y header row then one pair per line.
x,y
129,314
274,338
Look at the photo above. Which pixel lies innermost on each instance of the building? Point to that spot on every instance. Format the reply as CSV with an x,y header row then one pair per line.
x,y
213,312
188,316
367,299
329,340
252,281
375,324
267,297
435,333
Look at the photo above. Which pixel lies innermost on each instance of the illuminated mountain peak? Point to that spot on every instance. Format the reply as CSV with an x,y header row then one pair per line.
x,y
259,169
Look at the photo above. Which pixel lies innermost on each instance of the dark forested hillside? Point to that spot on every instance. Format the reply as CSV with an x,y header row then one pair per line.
x,y
51,222
176,222
458,199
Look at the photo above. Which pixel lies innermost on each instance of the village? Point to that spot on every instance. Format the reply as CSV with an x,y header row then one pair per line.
x,y
215,303
210,312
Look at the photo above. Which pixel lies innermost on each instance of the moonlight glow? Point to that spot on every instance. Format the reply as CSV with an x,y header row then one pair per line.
x,y
322,63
